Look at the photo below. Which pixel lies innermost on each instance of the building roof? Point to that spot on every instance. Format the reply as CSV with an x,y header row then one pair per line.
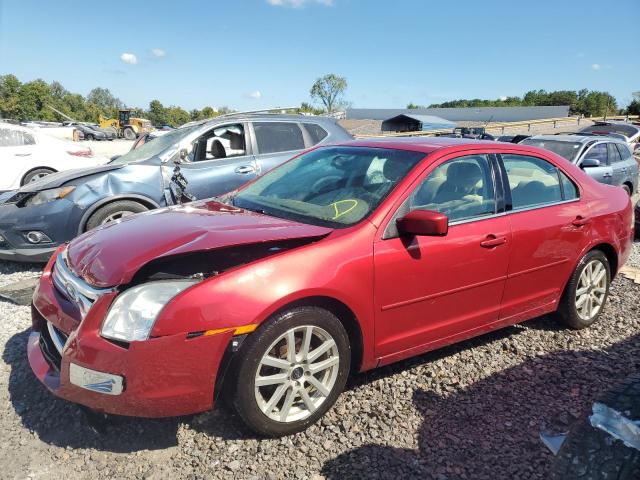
x,y
480,114
424,119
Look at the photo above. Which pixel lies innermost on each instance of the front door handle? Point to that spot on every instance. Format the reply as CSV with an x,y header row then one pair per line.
x,y
244,169
580,221
492,241
22,154
607,175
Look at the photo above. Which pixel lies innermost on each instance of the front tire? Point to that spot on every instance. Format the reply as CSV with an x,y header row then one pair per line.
x,y
114,211
586,293
129,134
89,137
291,371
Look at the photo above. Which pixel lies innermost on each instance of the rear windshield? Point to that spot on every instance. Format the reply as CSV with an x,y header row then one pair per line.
x,y
568,150
626,130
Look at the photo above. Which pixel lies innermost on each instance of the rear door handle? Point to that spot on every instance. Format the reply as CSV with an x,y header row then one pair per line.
x,y
492,241
22,154
606,175
244,169
580,221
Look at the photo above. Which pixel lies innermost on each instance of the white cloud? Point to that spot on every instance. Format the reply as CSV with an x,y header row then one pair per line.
x,y
158,52
503,98
255,95
596,66
129,58
298,3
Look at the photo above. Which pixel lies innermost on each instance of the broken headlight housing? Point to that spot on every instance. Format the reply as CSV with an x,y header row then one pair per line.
x,y
134,312
45,196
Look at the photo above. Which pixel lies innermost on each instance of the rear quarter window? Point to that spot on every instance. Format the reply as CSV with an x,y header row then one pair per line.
x,y
316,132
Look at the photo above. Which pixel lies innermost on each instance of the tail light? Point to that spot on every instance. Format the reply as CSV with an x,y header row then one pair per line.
x,y
81,153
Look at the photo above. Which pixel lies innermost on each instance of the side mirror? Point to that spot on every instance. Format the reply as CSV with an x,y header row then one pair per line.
x,y
423,222
590,163
183,154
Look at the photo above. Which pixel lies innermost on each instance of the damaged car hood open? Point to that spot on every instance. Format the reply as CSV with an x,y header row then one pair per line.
x,y
111,255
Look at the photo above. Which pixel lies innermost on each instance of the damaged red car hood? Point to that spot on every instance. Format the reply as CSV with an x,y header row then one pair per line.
x,y
112,254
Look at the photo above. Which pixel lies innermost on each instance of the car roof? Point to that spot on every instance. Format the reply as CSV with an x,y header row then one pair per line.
x,y
578,138
421,144
267,117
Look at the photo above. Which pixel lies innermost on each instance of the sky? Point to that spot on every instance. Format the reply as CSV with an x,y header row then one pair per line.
x,y
251,54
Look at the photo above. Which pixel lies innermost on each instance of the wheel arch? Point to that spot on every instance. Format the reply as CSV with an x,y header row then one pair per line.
x,y
146,201
611,254
629,184
346,316
53,170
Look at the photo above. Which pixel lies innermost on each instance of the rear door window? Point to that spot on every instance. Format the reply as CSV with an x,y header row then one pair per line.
x,y
625,152
614,154
273,137
533,181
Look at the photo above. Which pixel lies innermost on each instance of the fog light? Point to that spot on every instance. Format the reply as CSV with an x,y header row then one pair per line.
x,y
95,381
37,237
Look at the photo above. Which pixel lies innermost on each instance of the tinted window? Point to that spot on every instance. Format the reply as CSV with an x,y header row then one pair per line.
x,y
599,152
316,132
568,150
333,186
625,152
461,189
533,181
569,189
614,154
278,137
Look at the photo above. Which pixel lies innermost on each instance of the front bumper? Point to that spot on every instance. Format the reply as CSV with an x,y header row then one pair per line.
x,y
161,377
59,220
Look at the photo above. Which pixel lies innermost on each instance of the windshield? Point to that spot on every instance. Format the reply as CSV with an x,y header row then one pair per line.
x,y
568,150
155,147
332,186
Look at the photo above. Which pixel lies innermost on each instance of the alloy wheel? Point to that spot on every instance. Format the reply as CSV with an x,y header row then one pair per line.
x,y
591,290
296,374
38,176
116,216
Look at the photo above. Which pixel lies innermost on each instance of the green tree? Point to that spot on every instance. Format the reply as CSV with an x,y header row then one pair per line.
x,y
308,108
634,107
9,89
157,114
414,106
329,90
177,116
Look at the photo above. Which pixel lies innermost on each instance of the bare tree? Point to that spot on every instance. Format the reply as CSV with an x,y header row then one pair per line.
x,y
328,90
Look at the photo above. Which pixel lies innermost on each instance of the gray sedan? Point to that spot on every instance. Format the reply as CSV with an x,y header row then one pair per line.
x,y
606,159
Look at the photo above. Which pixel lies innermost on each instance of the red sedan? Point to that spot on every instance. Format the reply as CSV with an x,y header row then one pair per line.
x,y
345,258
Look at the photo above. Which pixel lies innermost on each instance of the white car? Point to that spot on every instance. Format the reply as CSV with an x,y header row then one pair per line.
x,y
27,155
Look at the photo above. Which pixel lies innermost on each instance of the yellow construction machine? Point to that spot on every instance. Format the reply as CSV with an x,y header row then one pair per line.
x,y
125,125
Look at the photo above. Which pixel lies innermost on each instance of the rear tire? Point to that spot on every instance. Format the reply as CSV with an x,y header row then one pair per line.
x,y
129,134
627,189
304,386
114,211
89,136
586,294
36,174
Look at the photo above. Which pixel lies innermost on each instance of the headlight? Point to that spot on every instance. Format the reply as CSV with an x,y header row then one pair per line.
x,y
133,313
45,196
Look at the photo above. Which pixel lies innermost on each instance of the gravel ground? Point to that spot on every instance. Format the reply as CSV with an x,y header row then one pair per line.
x,y
470,411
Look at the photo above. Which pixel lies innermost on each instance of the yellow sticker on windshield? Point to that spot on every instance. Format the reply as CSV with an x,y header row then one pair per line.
x,y
350,204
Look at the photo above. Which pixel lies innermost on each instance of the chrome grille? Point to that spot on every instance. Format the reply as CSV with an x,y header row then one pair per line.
x,y
74,289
